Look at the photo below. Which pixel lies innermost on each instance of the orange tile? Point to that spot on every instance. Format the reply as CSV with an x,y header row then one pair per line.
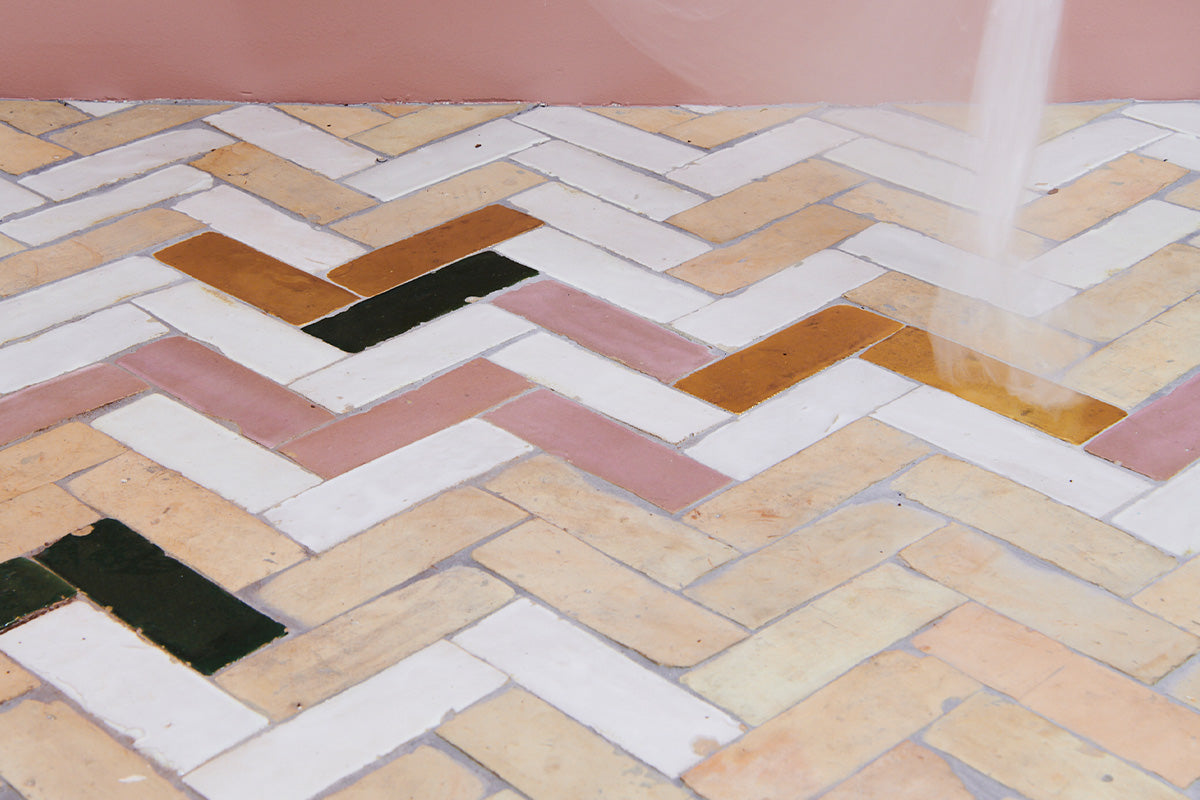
x,y
746,378
410,258
275,287
39,116
132,123
1019,395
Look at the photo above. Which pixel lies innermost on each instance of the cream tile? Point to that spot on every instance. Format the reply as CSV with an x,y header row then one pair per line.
x,y
1178,148
940,141
424,774
9,246
1058,118
1070,155
341,121
1165,517
127,124
722,126
1183,117
14,199
925,174
289,138
622,142
424,125
99,108
652,119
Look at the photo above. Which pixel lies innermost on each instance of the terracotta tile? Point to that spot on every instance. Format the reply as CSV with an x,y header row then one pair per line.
x,y
779,245
39,517
611,451
830,735
1187,195
1160,439
400,262
427,124
312,196
129,124
338,120
303,670
607,597
719,127
52,456
606,329
800,489
20,152
39,116
28,589
260,280
45,745
424,774
14,681
1078,614
55,400
528,742
906,772
1035,757
667,551
387,555
651,119
743,380
193,524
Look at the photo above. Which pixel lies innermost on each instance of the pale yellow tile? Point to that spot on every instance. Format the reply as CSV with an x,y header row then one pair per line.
x,y
433,122
20,152
14,681
648,118
1058,118
956,115
399,109
906,772
424,774
9,246
52,456
719,127
129,124
1187,195
39,116
1184,684
39,517
1175,596
339,120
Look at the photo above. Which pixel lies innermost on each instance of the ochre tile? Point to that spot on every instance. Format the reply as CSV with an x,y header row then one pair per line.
x,y
303,670
52,456
312,196
39,116
277,288
129,124
651,119
781,244
743,380
830,735
400,262
14,681
45,404
996,386
387,555
906,772
420,127
605,596
1160,439
751,206
424,774
801,488
1187,195
339,120
20,152
719,127
39,517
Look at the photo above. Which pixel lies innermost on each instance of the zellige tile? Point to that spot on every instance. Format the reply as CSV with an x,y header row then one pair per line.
x,y
20,152
39,116
1073,153
423,125
289,138
39,517
47,403
1164,516
27,589
1158,440
610,138
424,774
1183,117
51,456
128,124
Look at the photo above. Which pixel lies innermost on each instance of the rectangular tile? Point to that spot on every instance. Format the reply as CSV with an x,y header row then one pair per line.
x,y
341,121
906,772
14,682
1165,517
39,116
289,138
38,517
1158,440
51,456
1081,150
723,126
1173,597
15,199
44,404
654,119
1178,148
931,138
611,138
424,774
128,124
930,176
1183,117
20,152
27,589
427,123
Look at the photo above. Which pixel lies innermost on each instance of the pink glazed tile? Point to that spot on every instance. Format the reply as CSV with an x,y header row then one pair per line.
x,y
1159,440
45,404
458,395
608,450
211,383
606,329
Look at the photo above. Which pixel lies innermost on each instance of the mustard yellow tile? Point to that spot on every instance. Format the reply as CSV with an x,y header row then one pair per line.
x,y
1187,195
339,120
14,681
129,124
51,456
39,116
20,152
648,118
424,774
433,122
719,127
40,517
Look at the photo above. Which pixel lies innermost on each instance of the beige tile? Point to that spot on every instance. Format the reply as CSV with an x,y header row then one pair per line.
x,y
1175,596
303,670
1077,614
1086,547
14,681
777,246
399,109
39,517
789,660
549,756
606,596
830,735
1187,195
506,794
751,206
52,456
1058,118
313,196
1185,684
1037,758
398,219
339,120
906,772
1144,360
9,246
387,555
812,560
129,124
39,116
795,491
52,753
956,115
424,774
668,551
719,127
433,122
29,268
649,118
20,152
188,521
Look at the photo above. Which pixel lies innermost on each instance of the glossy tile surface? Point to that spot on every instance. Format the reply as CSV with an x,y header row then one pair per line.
x,y
26,589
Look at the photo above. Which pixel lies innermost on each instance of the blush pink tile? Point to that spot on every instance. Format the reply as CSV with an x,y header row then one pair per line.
x,y
602,447
1159,440
606,329
45,404
210,383
449,399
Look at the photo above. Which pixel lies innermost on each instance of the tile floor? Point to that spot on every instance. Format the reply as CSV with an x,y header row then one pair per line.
x,y
502,451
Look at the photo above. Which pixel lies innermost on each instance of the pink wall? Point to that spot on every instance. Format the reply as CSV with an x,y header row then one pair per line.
x,y
571,51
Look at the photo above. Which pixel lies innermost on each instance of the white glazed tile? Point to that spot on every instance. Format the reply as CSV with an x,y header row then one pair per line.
x,y
647,715
411,356
14,198
288,137
80,294
1066,157
173,715
265,228
915,133
301,757
648,243
1119,243
59,220
1178,148
704,109
109,166
921,173
726,169
74,345
587,267
800,416
244,334
608,179
779,300
1166,517
942,265
611,138
444,159
353,501
99,108
208,453
1016,451
1184,117
609,387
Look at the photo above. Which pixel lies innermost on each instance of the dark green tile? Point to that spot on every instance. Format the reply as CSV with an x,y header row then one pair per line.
x,y
419,300
26,587
185,613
